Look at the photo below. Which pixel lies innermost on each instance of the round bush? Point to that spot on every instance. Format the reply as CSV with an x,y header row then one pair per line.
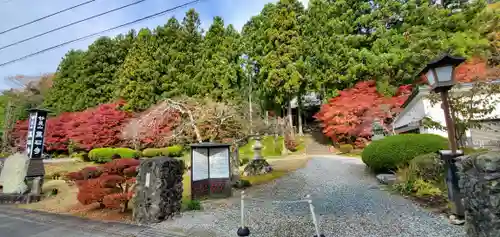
x,y
394,151
346,148
429,167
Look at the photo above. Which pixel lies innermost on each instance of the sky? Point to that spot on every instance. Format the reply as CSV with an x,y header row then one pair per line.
x,y
16,12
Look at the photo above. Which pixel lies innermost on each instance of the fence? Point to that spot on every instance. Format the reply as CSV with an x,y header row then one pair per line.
x,y
245,231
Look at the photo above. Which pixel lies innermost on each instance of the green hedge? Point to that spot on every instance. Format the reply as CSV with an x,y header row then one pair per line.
x,y
394,151
171,151
103,155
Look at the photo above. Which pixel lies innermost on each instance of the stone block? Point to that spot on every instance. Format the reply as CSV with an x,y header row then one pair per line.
x,y
158,192
480,185
388,179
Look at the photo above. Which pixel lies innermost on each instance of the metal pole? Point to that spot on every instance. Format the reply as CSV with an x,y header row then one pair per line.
x,y
311,207
242,209
449,123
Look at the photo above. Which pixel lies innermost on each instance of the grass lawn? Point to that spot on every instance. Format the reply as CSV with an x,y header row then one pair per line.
x,y
62,167
270,148
280,168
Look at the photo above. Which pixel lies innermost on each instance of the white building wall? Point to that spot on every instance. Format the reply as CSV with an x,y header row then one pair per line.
x,y
435,112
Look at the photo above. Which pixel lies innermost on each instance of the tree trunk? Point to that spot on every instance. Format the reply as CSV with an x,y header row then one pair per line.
x,y
125,206
290,118
299,114
267,117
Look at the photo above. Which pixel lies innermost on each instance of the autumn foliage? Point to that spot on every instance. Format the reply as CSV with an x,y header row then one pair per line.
x,y
93,128
111,185
349,116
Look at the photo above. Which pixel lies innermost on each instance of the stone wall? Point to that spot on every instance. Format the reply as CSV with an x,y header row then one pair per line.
x,y
159,189
480,184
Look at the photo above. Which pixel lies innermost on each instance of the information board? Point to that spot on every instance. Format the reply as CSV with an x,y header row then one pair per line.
x,y
199,166
219,163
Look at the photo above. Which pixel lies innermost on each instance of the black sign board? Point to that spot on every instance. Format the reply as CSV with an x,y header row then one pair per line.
x,y
36,133
210,170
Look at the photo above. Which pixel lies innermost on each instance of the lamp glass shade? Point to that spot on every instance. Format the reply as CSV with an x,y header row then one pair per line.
x,y
444,73
430,77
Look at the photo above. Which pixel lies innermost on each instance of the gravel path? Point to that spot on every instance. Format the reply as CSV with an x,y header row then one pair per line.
x,y
348,203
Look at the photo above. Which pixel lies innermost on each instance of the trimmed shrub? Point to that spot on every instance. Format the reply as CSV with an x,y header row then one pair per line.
x,y
345,148
110,185
428,167
171,151
391,152
174,151
103,155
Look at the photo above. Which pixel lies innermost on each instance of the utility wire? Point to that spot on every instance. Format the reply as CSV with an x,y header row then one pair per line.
x,y
100,32
47,16
72,23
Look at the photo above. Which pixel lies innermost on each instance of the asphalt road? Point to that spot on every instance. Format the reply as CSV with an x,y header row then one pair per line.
x,y
25,223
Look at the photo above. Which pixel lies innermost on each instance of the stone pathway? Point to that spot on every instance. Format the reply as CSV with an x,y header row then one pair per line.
x,y
348,201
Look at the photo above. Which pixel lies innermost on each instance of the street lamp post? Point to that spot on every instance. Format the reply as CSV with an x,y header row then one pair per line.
x,y
440,75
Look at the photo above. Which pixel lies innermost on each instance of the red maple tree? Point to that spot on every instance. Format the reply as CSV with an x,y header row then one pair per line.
x,y
111,185
350,115
98,127
92,128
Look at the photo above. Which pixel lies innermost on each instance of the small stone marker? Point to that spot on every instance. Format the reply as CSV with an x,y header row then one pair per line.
x,y
14,173
387,179
148,180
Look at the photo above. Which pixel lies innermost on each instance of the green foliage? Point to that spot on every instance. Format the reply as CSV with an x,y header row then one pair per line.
x,y
394,151
285,51
244,161
171,151
467,105
470,150
192,205
425,189
85,79
103,155
429,167
346,148
83,156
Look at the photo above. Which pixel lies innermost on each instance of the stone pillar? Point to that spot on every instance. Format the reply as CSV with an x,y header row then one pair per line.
x,y
480,184
257,148
36,185
158,193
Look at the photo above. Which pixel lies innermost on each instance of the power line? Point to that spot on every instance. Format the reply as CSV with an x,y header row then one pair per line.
x,y
70,24
47,16
100,32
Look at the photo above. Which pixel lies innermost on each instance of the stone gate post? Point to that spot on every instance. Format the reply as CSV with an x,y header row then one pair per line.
x,y
480,184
